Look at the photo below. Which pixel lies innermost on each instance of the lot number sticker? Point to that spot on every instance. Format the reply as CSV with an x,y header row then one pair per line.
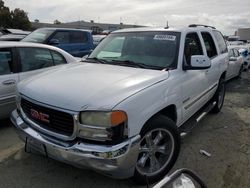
x,y
165,37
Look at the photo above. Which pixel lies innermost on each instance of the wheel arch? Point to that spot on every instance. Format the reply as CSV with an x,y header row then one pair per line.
x,y
169,111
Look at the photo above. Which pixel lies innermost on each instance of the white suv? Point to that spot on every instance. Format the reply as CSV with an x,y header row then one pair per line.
x,y
121,111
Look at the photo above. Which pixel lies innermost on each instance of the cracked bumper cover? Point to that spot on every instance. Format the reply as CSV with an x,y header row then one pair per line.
x,y
117,161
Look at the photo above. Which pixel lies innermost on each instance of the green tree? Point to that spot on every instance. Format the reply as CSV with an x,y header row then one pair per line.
x,y
20,19
5,16
57,22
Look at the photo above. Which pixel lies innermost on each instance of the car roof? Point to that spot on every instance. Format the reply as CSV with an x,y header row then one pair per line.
x,y
181,29
65,29
9,44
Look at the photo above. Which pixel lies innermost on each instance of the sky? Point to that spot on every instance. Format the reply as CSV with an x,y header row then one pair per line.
x,y
225,15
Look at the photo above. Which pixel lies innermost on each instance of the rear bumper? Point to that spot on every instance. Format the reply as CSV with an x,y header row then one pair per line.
x,y
117,161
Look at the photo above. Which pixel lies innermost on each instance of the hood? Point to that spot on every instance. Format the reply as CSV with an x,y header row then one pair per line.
x,y
91,86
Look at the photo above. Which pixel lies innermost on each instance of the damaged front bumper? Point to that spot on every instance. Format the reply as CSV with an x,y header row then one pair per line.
x,y
117,161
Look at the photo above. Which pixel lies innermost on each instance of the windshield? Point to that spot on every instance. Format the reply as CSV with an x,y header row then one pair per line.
x,y
158,49
38,36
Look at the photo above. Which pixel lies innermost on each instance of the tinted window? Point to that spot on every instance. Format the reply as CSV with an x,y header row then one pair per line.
x,y
62,36
78,37
38,36
231,53
192,47
5,61
221,42
35,58
58,58
236,52
209,44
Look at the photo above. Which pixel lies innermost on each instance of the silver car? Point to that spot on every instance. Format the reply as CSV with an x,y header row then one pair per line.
x,y
19,60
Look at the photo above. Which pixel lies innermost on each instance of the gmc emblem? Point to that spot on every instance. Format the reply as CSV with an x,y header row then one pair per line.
x,y
39,115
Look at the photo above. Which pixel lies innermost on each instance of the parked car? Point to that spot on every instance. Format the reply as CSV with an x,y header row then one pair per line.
x,y
246,58
244,51
77,42
120,112
235,65
11,37
13,34
98,38
19,60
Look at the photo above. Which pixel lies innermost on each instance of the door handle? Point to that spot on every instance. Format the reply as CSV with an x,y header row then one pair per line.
x,y
9,82
207,71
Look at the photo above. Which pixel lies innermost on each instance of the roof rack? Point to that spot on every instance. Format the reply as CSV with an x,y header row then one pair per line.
x,y
196,25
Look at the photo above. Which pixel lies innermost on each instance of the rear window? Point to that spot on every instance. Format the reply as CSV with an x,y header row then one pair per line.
x,y
38,36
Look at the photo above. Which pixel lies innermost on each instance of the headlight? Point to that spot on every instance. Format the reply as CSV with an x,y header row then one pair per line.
x,y
103,119
103,126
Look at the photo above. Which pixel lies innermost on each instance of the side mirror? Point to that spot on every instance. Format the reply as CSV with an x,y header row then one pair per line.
x,y
232,59
199,62
54,42
183,178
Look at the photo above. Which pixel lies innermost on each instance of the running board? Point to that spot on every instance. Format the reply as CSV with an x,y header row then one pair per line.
x,y
195,119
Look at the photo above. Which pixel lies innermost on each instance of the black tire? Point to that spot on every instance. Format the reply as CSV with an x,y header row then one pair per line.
x,y
169,133
219,96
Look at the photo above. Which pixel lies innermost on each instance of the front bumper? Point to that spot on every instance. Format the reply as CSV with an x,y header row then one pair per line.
x,y
117,161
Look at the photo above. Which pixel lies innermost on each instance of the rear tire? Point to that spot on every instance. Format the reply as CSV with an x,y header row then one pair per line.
x,y
159,150
219,96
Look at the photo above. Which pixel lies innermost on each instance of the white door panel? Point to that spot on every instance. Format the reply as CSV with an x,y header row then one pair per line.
x,y
194,92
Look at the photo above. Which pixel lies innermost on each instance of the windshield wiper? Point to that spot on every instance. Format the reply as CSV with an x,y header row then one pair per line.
x,y
136,64
96,60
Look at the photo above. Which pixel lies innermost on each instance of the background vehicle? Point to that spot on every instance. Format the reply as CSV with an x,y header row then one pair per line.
x,y
13,34
129,100
77,42
98,38
235,65
244,52
20,60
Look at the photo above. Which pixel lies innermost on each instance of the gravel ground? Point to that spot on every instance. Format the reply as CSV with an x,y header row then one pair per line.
x,y
225,135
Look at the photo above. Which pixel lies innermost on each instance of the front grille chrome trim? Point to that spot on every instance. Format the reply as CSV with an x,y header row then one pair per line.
x,y
46,131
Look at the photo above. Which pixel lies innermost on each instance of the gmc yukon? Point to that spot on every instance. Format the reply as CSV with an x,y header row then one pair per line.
x,y
120,113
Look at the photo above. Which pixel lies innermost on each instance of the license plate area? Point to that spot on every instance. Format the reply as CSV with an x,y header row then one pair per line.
x,y
33,146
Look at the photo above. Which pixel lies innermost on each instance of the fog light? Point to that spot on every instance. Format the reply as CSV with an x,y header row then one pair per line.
x,y
112,154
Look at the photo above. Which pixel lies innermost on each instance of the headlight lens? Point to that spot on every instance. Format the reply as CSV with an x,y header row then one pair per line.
x,y
103,119
109,127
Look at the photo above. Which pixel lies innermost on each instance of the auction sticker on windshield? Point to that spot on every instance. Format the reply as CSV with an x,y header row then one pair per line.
x,y
165,37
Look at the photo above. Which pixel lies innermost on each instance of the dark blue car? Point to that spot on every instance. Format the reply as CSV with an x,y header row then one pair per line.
x,y
77,42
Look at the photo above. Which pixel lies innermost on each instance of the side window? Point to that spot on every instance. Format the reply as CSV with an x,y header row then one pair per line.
x,y
62,36
78,37
34,58
5,61
236,52
58,58
192,47
221,42
209,44
231,53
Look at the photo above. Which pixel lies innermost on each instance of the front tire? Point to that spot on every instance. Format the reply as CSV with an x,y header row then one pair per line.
x,y
159,150
219,96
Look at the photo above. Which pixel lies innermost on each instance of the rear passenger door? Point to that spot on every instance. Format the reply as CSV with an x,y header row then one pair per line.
x,y
212,74
32,61
8,80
